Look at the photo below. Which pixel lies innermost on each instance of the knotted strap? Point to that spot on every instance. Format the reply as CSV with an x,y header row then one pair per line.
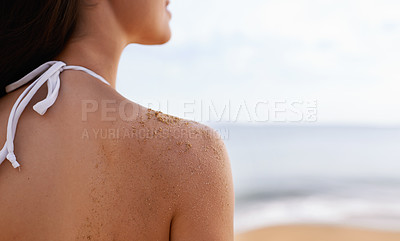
x,y
50,73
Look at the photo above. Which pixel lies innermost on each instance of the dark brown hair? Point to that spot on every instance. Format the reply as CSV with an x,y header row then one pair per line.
x,y
32,32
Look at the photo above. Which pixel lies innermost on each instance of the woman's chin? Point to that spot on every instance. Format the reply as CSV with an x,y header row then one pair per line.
x,y
158,39
165,34
166,38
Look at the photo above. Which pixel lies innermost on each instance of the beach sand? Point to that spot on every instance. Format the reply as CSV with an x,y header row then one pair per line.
x,y
316,233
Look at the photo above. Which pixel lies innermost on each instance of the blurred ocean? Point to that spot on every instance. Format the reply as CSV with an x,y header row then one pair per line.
x,y
344,175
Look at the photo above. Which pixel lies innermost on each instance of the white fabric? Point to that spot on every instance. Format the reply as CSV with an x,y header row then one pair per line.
x,y
50,73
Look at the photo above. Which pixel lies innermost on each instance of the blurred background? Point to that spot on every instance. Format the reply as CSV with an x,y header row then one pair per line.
x,y
305,94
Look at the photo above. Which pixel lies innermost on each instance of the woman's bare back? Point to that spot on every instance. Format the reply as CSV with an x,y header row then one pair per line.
x,y
115,173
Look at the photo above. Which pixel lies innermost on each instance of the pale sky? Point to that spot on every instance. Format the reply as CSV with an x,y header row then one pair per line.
x,y
345,54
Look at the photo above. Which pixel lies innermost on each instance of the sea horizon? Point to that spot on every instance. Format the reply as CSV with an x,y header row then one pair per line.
x,y
314,174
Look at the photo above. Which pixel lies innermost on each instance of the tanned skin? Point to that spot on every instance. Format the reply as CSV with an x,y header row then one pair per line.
x,y
112,172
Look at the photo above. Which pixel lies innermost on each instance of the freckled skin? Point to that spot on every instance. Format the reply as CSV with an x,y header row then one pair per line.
x,y
173,183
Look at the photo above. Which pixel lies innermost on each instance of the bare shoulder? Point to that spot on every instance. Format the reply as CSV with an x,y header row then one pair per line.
x,y
157,160
193,167
180,147
184,145
136,137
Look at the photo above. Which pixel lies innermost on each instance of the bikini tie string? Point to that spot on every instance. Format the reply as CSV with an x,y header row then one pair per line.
x,y
50,73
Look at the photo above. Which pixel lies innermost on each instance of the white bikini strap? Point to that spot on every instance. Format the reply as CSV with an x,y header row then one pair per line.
x,y
52,77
